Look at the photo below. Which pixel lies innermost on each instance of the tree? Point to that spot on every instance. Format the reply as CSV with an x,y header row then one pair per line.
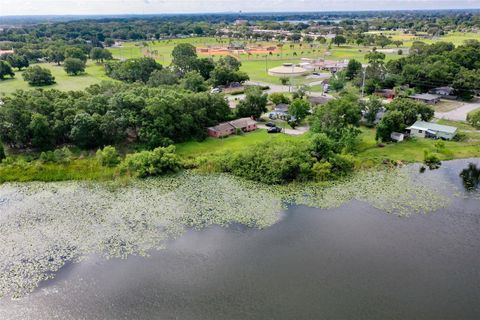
x,y
74,66
223,75
42,135
5,70
132,70
86,130
392,121
278,98
373,107
353,69
163,77
466,83
204,66
38,76
284,81
254,104
100,54
193,81
383,41
397,43
17,61
56,55
474,118
184,57
321,146
339,40
75,52
412,110
299,108
230,62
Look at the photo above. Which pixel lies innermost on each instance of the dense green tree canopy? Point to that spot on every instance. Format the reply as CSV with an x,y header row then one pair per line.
x,y
38,76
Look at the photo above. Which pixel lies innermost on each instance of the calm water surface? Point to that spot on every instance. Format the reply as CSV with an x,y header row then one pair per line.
x,y
354,262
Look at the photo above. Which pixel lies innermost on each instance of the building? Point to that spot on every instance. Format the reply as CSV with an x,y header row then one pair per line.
x,y
244,124
6,52
221,130
288,70
316,101
442,91
397,136
228,128
385,93
424,129
426,97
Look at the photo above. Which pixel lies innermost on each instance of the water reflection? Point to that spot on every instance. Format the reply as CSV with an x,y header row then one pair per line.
x,y
471,177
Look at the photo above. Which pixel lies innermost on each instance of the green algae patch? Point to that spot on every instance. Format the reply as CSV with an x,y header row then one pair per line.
x,y
45,225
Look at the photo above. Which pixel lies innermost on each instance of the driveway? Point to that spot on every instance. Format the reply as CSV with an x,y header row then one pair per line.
x,y
293,132
459,114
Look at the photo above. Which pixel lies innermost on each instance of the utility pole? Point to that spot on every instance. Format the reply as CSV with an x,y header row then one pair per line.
x,y
363,82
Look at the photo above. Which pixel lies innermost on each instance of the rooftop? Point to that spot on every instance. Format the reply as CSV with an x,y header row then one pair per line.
x,y
425,96
242,122
422,125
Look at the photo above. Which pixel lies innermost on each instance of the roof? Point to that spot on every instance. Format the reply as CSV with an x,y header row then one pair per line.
x,y
221,127
425,96
422,125
281,107
319,100
242,122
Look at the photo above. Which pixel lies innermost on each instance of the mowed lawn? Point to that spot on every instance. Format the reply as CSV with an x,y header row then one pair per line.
x,y
412,150
95,73
232,143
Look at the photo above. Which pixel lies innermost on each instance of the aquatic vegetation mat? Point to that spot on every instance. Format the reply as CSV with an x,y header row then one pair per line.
x,y
45,225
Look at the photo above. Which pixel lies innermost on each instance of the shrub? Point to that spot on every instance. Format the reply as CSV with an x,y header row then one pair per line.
x,y
60,156
474,118
74,66
108,157
322,171
460,136
152,163
431,160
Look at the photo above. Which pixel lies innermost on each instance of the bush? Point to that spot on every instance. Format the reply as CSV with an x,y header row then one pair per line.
x,y
322,171
152,163
60,156
460,136
108,157
431,160
474,119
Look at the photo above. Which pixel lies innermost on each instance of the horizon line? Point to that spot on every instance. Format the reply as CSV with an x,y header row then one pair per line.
x,y
235,12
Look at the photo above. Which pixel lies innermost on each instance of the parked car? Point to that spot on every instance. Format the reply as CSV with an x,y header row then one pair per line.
x,y
216,90
270,124
274,130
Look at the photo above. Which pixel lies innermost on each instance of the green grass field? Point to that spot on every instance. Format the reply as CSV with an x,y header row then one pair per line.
x,y
93,74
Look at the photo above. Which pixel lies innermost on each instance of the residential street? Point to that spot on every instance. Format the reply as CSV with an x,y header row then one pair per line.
x,y
293,132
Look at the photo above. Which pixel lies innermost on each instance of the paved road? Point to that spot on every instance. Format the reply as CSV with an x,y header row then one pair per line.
x,y
459,114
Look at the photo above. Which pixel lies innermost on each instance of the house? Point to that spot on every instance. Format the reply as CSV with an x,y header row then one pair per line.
x,y
244,124
228,128
221,130
316,101
385,93
426,97
397,136
424,129
445,92
442,91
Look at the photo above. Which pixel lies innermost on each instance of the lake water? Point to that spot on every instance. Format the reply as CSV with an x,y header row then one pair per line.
x,y
352,262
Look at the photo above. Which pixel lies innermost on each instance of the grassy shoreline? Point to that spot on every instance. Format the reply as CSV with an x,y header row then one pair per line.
x,y
201,155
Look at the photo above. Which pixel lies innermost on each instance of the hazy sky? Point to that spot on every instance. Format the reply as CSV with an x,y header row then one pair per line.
x,y
62,7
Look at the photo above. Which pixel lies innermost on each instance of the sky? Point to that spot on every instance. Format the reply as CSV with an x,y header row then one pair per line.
x,y
103,7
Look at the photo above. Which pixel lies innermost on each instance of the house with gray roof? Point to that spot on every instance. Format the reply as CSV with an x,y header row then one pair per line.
x,y
426,97
424,129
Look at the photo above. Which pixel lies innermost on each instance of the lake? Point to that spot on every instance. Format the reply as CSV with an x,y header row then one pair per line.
x,y
349,262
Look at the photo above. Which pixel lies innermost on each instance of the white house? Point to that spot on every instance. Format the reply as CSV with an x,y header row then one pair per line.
x,y
424,129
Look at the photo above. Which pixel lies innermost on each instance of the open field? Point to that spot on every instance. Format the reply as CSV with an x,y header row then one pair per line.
x,y
94,74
